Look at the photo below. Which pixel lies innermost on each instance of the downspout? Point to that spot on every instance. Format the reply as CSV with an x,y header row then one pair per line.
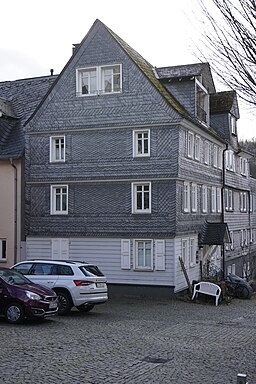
x,y
223,207
15,210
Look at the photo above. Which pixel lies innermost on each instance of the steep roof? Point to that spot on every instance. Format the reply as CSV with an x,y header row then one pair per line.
x,y
142,64
18,99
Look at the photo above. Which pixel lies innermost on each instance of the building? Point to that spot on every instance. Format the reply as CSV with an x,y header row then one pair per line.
x,y
129,166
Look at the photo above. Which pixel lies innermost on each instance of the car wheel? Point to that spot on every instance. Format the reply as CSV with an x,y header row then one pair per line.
x,y
65,302
85,307
14,313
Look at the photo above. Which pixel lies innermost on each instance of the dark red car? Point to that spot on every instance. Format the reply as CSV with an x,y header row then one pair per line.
x,y
20,298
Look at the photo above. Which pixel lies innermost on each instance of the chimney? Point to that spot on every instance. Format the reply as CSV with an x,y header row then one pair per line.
x,y
51,70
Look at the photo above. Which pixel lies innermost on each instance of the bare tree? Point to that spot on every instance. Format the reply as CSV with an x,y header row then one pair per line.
x,y
229,40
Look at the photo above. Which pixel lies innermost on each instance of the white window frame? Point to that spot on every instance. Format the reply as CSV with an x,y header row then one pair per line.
x,y
215,156
199,88
214,199
186,197
218,200
63,195
230,161
232,240
100,73
243,166
190,145
185,252
243,201
197,150
229,200
3,249
57,149
206,152
220,153
233,124
194,197
204,198
231,269
143,244
141,143
143,192
192,251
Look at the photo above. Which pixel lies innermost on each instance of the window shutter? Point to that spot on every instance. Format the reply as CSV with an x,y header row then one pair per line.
x,y
55,249
160,255
60,249
125,254
64,254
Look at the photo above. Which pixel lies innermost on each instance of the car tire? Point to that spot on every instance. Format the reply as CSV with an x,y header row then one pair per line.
x,y
14,313
85,307
65,302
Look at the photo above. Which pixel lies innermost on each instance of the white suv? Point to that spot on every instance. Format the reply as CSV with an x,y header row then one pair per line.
x,y
77,284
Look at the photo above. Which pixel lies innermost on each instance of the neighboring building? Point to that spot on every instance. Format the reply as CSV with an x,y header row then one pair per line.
x,y
124,168
18,100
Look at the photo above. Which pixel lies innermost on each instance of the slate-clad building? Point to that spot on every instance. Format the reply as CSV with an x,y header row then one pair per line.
x,y
129,166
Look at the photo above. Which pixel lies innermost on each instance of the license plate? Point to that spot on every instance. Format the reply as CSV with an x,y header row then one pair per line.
x,y
100,285
52,305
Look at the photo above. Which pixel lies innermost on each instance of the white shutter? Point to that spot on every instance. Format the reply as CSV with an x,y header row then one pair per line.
x,y
60,249
55,249
125,254
160,255
64,254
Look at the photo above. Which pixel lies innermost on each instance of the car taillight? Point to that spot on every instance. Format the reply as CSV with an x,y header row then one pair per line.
x,y
80,283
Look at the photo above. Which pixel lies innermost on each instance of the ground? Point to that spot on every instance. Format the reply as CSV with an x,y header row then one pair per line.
x,y
135,340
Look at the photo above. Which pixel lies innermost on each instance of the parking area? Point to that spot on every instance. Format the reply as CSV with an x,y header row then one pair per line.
x,y
134,340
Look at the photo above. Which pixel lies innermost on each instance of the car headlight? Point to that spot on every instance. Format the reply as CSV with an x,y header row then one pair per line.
x,y
33,296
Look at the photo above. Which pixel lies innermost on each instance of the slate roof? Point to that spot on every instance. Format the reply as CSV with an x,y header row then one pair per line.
x,y
214,234
18,99
188,71
222,101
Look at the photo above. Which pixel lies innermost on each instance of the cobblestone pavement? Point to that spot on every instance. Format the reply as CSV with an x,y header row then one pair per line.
x,y
134,340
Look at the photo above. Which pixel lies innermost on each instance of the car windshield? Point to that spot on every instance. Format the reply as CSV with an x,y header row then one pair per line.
x,y
14,278
91,270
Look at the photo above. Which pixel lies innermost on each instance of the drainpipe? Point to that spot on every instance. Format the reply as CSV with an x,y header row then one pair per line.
x,y
15,210
223,207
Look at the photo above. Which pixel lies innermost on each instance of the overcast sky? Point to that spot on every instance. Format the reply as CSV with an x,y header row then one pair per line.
x,y
37,35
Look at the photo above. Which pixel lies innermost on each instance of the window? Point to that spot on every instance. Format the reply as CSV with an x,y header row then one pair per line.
x,y
57,149
232,240
233,124
197,147
202,103
193,197
188,251
207,152
186,197
220,152
228,199
232,269
243,202
251,202
190,145
244,239
2,249
98,80
230,161
184,252
141,197
192,252
215,156
218,199
143,254
59,199
243,166
204,198
141,143
214,199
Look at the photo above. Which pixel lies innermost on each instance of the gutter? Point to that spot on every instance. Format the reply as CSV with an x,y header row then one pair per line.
x,y
15,210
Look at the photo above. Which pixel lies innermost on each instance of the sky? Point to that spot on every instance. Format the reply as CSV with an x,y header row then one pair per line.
x,y
37,35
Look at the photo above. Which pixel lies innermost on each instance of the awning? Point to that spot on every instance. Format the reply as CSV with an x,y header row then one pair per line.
x,y
214,234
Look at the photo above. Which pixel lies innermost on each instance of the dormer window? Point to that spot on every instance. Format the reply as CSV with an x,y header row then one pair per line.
x,y
233,125
98,80
202,103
